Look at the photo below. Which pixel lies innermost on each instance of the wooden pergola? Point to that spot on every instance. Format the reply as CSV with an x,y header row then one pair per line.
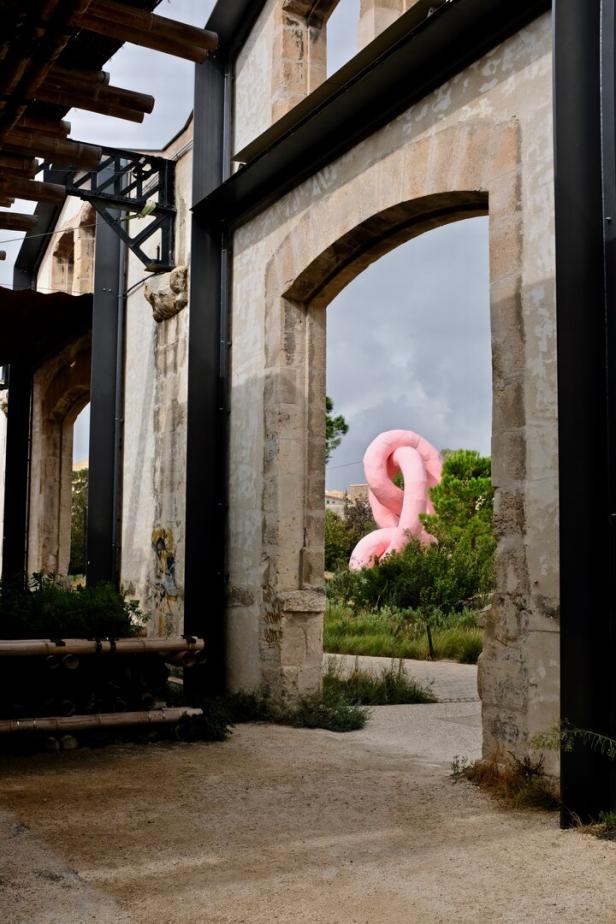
x,y
51,61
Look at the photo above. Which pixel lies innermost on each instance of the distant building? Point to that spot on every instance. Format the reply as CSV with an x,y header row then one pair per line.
x,y
357,491
334,501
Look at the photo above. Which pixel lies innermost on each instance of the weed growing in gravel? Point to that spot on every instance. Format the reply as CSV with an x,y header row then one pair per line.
x,y
391,687
518,784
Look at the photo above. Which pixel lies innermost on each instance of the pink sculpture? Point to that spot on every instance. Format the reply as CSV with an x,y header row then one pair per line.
x,y
397,511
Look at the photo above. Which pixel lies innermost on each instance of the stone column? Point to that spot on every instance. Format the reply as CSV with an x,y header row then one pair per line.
x,y
375,16
299,56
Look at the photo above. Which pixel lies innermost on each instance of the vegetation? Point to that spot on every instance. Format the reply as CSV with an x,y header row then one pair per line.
x,y
391,687
79,522
390,633
335,428
46,608
343,533
429,586
518,784
332,711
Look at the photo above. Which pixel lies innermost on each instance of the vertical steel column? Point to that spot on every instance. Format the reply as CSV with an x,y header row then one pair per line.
x,y
585,393
102,556
17,474
204,579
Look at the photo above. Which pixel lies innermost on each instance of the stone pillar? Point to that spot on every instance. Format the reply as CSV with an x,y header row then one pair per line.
x,y
299,56
375,16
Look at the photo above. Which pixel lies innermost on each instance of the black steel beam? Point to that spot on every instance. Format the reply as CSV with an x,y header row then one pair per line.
x,y
105,412
232,21
17,474
409,61
204,578
586,367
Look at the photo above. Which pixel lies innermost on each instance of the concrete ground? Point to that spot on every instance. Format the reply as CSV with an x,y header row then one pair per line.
x,y
289,826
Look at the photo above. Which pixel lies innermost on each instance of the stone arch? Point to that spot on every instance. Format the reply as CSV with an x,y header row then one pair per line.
x,y
61,391
466,169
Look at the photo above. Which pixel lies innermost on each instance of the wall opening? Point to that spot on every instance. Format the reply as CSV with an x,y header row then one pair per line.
x,y
408,348
79,499
342,28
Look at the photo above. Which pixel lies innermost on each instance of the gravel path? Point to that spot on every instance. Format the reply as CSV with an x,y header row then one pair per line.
x,y
449,681
289,826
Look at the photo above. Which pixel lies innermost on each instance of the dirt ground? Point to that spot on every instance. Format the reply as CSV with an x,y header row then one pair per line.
x,y
288,825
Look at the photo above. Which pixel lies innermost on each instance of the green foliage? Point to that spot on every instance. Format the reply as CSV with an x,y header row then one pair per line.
x,y
391,687
79,522
391,633
343,533
48,609
335,428
332,710
565,736
337,542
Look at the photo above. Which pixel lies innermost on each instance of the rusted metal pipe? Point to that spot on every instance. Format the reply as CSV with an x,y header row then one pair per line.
x,y
81,646
102,720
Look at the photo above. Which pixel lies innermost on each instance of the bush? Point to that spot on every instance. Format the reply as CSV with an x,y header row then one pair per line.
x,y
391,687
331,711
391,633
48,609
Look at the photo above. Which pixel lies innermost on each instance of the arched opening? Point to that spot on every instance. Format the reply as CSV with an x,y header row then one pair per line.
x,y
79,499
61,392
342,27
408,348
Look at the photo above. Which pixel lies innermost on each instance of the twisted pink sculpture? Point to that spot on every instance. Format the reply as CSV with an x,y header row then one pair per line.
x,y
396,511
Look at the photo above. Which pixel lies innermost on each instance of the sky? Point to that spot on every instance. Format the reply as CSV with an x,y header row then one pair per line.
x,y
408,339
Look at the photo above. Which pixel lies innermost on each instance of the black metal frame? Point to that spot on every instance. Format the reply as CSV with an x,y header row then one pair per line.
x,y
106,407
586,286
141,185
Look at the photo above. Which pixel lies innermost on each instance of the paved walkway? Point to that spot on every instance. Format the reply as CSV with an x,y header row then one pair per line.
x,y
289,826
449,681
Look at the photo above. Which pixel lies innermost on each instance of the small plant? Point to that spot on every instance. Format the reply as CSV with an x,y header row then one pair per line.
x,y
48,607
391,687
517,783
330,710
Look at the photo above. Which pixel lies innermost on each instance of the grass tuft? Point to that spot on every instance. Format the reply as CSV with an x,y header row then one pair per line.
x,y
392,687
517,784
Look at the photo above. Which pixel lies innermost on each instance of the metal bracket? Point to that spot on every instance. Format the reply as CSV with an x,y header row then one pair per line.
x,y
142,186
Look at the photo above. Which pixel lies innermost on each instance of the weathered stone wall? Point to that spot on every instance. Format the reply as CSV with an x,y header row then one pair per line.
x,y
152,561
483,141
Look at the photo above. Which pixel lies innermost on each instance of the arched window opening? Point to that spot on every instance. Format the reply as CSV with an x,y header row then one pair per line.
x,y
342,30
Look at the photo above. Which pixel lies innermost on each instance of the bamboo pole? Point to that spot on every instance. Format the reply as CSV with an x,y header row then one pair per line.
x,y
80,646
108,104
11,163
129,24
68,77
16,221
31,189
101,720
46,126
60,150
5,201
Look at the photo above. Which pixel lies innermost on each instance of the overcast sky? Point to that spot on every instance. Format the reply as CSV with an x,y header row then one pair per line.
x,y
408,340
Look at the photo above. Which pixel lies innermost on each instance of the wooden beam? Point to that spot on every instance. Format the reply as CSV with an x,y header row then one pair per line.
x,y
73,76
46,126
31,189
6,202
127,24
60,150
20,166
59,97
16,221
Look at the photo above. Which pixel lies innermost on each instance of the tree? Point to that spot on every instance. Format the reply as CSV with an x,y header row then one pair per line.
x,y
79,522
335,428
343,533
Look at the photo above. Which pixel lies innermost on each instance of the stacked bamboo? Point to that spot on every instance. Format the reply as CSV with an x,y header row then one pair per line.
x,y
33,71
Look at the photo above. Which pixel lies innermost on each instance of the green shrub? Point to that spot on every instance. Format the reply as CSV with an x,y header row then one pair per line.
x,y
331,711
46,608
391,687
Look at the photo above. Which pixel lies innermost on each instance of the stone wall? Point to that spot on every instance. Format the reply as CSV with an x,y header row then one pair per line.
x,y
480,143
154,470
